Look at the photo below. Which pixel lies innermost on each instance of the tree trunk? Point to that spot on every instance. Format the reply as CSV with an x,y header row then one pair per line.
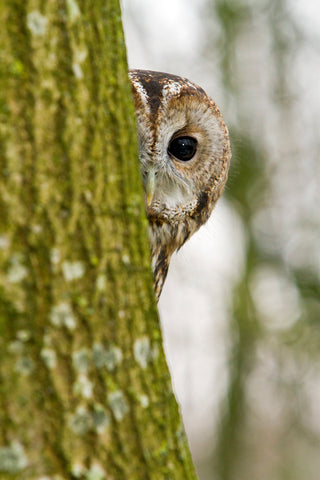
x,y
85,389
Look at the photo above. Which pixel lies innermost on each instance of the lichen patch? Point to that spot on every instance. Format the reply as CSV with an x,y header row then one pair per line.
x,y
24,365
49,357
109,357
101,283
4,242
144,401
83,386
12,458
118,404
37,23
73,10
77,70
81,360
73,270
101,419
16,271
62,315
96,472
142,351
81,421
55,256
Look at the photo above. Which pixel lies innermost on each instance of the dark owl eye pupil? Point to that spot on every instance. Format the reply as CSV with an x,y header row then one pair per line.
x,y
183,148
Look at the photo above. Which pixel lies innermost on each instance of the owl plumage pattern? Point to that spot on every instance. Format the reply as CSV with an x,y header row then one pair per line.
x,y
184,156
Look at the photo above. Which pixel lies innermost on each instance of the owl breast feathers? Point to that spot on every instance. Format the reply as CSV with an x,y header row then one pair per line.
x,y
184,155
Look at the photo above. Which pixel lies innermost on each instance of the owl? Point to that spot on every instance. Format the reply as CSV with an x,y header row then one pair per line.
x,y
184,156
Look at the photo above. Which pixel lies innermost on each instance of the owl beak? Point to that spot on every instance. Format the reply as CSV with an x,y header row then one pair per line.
x,y
150,186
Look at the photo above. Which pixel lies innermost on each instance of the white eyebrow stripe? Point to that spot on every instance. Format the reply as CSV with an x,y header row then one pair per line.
x,y
141,91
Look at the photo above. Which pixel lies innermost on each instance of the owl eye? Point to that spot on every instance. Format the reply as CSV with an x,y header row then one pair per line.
x,y
183,148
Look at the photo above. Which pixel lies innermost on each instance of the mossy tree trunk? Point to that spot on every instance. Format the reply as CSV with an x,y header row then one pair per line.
x,y
85,389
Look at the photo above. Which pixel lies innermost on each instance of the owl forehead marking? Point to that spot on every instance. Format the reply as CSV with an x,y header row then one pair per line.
x,y
156,88
172,88
143,95
152,84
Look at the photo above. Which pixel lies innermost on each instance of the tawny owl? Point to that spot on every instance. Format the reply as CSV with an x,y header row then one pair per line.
x,y
184,154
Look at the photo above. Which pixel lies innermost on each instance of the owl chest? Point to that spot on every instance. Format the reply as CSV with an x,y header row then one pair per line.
x,y
170,236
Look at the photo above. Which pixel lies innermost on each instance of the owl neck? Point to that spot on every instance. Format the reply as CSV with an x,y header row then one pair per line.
x,y
165,239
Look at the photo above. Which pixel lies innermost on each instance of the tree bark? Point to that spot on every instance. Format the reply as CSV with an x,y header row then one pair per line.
x,y
85,389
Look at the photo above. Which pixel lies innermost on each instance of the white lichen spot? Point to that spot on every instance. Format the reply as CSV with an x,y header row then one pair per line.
x,y
88,196
142,93
49,357
46,477
77,70
70,322
155,352
78,470
12,459
15,347
62,314
144,401
98,355
80,56
142,351
73,270
4,242
118,404
37,23
100,418
83,386
121,314
80,422
36,228
126,259
24,366
81,360
17,271
55,256
73,10
23,335
96,472
106,357
101,283
113,357
53,477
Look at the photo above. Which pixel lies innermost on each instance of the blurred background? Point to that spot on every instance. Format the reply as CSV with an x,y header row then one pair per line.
x,y
241,306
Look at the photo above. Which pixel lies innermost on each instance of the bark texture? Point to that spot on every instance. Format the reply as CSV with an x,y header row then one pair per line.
x,y
84,387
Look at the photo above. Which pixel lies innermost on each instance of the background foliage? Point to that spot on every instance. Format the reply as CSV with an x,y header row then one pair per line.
x,y
260,62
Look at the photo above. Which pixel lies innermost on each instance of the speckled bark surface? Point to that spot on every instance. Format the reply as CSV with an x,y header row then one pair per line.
x,y
85,392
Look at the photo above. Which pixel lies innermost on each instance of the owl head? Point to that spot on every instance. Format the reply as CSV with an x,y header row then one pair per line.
x,y
184,156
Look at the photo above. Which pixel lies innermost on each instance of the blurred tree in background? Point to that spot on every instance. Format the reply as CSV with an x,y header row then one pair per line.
x,y
269,427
